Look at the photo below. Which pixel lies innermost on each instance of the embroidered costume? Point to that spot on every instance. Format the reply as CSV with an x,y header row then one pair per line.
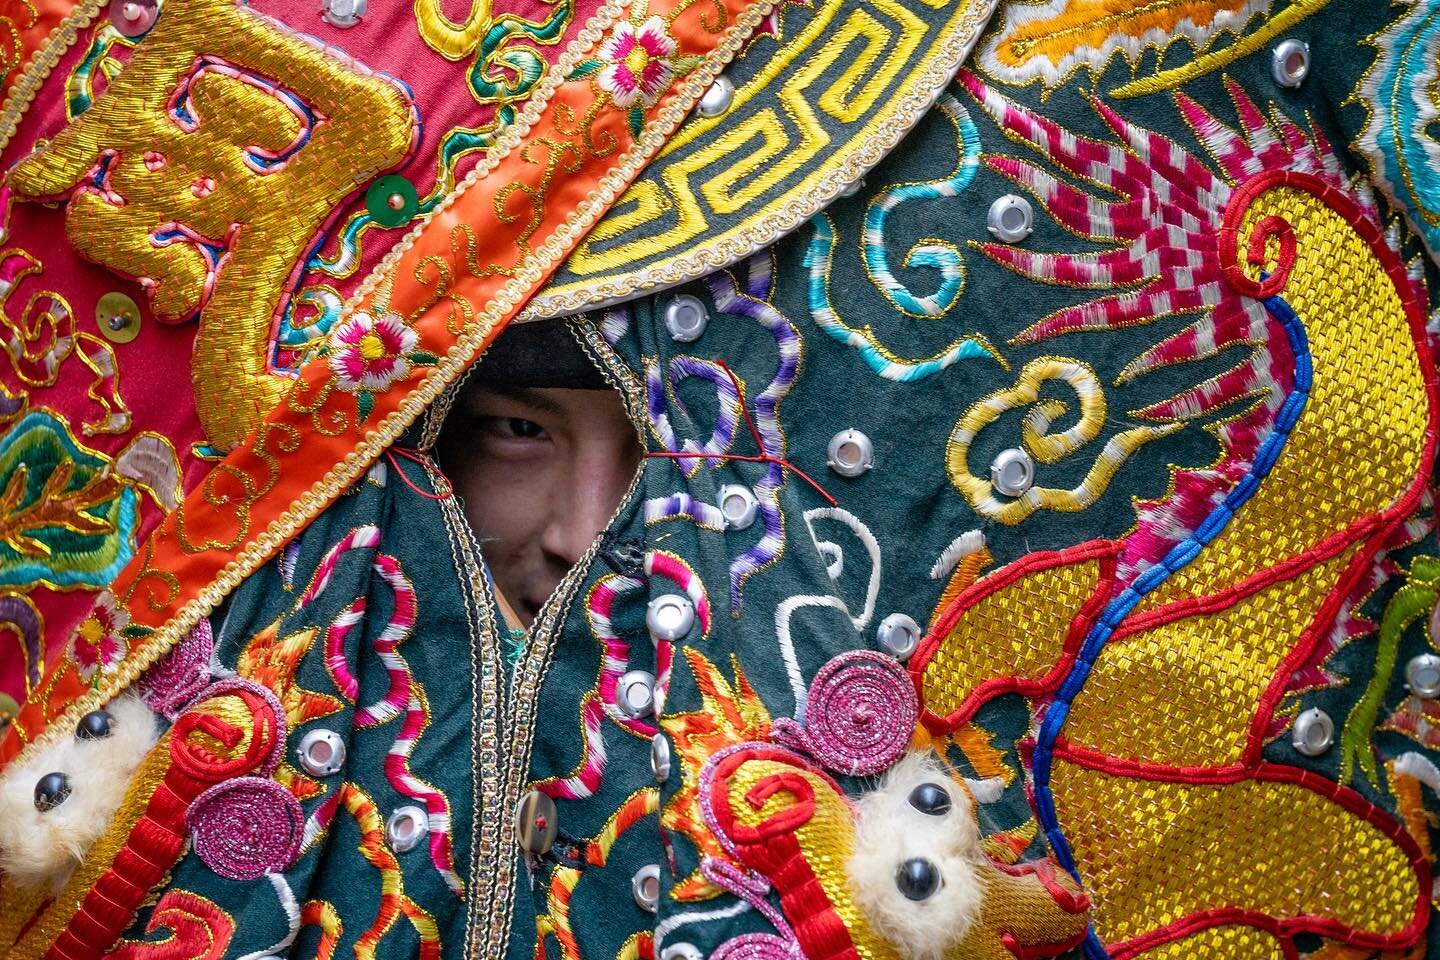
x,y
1033,552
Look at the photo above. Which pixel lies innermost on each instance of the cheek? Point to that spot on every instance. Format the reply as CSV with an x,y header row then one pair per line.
x,y
506,501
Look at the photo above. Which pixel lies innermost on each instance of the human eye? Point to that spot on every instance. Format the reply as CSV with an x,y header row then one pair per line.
x,y
519,428
503,437
504,427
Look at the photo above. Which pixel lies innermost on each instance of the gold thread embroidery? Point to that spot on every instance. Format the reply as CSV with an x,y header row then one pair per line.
x,y
695,248
196,172
453,41
345,471
1019,631
1244,853
1045,447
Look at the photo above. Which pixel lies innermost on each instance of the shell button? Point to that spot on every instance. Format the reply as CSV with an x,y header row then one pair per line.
x,y
536,823
686,318
1290,62
1313,732
645,885
670,616
406,827
850,453
898,634
660,757
321,753
1010,219
717,99
635,695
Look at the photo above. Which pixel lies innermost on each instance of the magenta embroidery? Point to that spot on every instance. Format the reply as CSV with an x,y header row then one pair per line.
x,y
859,715
180,675
403,697
752,888
615,660
245,827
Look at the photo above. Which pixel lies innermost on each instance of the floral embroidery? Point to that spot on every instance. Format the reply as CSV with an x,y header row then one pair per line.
x,y
369,353
308,138
638,62
98,643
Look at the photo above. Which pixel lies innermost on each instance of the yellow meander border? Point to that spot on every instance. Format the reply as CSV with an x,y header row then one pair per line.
x,y
740,242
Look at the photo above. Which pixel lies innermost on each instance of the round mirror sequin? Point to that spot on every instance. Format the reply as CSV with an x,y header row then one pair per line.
x,y
391,201
118,317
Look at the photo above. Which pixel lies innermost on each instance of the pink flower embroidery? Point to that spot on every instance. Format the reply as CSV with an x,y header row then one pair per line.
x,y
637,62
97,644
369,353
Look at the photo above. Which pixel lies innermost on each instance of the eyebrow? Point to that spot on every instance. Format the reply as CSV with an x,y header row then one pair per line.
x,y
532,397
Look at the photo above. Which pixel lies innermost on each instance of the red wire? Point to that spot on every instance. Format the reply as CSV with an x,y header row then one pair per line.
x,y
764,457
744,407
423,461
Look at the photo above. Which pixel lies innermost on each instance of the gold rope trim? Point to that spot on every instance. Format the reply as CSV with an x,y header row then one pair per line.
x,y
37,71
938,72
304,508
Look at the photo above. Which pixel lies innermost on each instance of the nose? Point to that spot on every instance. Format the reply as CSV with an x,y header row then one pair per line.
x,y
602,473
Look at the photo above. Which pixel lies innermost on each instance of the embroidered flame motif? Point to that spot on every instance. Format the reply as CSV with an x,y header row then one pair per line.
x,y
1165,260
1167,678
1048,40
272,661
199,930
727,716
1052,39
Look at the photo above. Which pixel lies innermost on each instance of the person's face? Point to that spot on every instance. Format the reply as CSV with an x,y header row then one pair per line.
x,y
541,471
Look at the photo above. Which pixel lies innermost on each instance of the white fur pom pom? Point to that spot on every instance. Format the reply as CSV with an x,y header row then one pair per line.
x,y
39,849
892,831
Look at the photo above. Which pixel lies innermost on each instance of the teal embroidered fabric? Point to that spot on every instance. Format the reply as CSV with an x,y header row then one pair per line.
x,y
1090,440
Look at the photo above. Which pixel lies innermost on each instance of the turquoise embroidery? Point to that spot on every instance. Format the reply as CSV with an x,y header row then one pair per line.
x,y
65,518
1399,92
930,252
